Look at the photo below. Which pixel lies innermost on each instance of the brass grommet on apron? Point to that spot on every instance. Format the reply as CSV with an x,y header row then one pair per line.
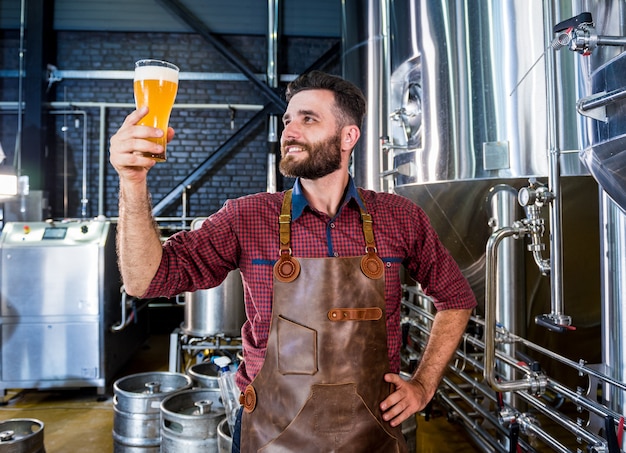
x,y
372,265
287,268
249,399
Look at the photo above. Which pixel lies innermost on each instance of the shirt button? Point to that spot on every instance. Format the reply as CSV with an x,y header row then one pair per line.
x,y
335,254
332,224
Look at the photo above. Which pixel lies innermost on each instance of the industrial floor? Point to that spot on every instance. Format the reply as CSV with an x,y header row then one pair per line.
x,y
81,421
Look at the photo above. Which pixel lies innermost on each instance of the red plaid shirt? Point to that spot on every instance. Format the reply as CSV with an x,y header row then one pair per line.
x,y
244,234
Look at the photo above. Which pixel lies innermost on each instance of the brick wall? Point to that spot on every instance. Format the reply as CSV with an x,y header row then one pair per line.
x,y
199,132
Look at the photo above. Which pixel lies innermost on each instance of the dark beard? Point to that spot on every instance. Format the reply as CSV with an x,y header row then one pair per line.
x,y
324,157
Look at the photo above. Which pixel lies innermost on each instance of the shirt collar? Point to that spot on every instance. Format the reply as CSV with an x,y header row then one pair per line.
x,y
299,201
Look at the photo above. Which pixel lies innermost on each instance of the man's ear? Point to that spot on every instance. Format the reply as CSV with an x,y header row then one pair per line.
x,y
349,136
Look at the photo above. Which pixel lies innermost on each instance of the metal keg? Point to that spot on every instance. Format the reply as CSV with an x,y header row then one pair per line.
x,y
224,437
218,310
189,421
21,435
204,374
136,409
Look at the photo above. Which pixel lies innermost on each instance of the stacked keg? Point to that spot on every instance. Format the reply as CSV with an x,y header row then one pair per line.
x,y
22,435
170,413
137,409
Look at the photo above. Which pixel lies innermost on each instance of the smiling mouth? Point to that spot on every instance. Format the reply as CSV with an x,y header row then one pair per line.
x,y
293,148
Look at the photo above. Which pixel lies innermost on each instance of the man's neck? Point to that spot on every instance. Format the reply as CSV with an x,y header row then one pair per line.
x,y
325,194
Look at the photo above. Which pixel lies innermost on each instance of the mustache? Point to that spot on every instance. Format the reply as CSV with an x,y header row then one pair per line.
x,y
294,143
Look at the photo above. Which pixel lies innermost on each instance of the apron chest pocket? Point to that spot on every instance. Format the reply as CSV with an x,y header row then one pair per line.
x,y
297,348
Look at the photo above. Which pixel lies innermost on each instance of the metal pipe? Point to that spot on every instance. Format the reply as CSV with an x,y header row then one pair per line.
x,y
123,320
74,74
586,403
102,154
528,423
490,310
184,207
272,81
479,435
600,100
272,43
554,176
509,292
611,41
529,427
559,418
17,156
83,200
11,105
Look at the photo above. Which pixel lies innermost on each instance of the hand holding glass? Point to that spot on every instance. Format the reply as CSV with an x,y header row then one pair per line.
x,y
155,86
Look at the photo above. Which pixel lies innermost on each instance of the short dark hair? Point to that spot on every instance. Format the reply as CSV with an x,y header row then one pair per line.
x,y
349,99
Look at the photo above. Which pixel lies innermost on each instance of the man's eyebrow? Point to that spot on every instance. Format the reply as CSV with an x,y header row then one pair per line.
x,y
308,113
312,113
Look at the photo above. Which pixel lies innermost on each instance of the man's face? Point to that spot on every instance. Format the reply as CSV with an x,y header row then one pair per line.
x,y
311,139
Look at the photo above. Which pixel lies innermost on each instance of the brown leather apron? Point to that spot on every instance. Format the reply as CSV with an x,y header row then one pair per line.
x,y
321,383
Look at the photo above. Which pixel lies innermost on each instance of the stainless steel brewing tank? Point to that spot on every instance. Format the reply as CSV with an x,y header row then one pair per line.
x,y
468,110
218,310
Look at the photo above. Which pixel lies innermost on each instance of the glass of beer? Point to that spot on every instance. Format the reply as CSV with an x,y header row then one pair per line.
x,y
155,85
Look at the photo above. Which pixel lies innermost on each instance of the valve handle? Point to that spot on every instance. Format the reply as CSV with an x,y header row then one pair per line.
x,y
550,324
573,22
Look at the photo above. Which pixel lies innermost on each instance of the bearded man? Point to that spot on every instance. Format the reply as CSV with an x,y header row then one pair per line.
x,y
320,266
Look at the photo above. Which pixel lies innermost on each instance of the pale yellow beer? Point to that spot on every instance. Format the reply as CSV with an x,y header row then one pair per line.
x,y
155,86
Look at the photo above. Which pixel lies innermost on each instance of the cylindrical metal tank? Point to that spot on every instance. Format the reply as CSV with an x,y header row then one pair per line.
x,y
215,311
472,77
218,310
603,148
470,108
479,99
469,102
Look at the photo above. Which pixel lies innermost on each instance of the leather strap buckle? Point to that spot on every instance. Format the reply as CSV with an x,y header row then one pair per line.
x,y
355,314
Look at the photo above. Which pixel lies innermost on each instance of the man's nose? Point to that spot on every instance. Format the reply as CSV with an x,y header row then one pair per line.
x,y
290,132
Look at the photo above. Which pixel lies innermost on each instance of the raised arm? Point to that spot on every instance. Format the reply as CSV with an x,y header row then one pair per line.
x,y
138,241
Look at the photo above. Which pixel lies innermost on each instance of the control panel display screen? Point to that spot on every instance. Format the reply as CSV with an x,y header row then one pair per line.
x,y
54,233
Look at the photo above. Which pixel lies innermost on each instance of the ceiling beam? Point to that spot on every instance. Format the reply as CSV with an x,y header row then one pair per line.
x,y
179,9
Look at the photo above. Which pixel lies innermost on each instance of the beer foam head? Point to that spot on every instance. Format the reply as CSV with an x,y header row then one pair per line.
x,y
156,73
